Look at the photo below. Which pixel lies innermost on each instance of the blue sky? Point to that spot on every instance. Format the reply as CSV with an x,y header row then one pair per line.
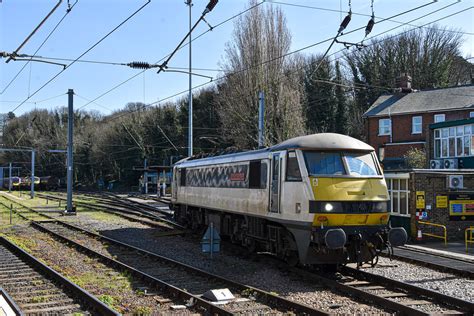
x,y
154,32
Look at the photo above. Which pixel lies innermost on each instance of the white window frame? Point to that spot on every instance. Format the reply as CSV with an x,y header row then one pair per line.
x,y
382,125
471,114
398,191
436,116
469,133
413,125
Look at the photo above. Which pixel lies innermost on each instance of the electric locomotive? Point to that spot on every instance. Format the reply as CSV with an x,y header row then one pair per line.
x,y
315,199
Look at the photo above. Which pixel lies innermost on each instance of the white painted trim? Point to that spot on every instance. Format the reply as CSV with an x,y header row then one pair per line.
x,y
404,175
404,143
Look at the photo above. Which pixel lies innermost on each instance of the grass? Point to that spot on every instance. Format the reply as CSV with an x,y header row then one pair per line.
x,y
24,243
107,299
102,216
143,311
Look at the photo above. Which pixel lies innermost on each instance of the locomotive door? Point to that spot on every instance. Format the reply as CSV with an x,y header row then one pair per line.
x,y
275,185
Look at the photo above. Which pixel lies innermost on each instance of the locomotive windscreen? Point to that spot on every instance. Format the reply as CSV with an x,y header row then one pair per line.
x,y
337,163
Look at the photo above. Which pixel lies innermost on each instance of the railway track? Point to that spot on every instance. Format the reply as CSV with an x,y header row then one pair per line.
x,y
443,263
176,277
397,296
38,290
124,212
185,281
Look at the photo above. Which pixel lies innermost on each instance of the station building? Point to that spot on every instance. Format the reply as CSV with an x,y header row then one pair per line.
x,y
439,122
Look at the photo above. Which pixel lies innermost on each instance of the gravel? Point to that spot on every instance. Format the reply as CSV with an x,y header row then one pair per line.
x,y
263,275
445,283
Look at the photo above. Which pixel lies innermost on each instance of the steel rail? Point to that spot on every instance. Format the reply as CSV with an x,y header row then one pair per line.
x,y
119,212
177,292
11,303
269,298
96,305
466,306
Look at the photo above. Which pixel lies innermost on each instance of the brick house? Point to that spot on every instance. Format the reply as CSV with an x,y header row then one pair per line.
x,y
440,122
400,121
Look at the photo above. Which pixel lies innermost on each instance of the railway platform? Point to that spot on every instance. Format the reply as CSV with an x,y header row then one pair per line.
x,y
450,257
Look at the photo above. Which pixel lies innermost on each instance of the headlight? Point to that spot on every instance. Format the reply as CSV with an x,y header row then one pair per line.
x,y
328,207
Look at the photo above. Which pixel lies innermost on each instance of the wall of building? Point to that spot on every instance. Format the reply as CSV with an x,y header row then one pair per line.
x,y
402,131
433,184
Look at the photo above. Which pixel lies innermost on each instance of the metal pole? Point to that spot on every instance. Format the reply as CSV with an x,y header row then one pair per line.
x,y
70,131
190,97
261,111
32,194
10,178
145,176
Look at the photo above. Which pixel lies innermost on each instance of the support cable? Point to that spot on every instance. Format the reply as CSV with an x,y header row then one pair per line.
x,y
85,52
15,53
247,69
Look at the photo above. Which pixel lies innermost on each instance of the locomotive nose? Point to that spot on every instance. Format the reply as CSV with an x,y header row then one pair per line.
x,y
397,236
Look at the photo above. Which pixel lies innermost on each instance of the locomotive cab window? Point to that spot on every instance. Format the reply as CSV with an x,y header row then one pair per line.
x,y
292,169
324,163
358,164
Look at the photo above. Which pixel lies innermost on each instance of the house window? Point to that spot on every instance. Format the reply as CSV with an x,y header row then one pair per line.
x,y
416,123
385,127
399,193
453,141
471,114
439,118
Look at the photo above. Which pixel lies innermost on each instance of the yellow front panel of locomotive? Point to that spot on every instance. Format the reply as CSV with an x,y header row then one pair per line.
x,y
349,189
340,219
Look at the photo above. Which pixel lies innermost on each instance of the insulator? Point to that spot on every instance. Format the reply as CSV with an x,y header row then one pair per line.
x,y
369,26
345,22
211,5
139,65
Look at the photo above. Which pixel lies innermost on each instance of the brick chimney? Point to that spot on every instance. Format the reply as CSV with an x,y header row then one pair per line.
x,y
404,83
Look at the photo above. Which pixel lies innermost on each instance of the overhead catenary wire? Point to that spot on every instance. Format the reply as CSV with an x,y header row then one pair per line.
x,y
279,57
354,13
39,47
182,46
84,53
265,62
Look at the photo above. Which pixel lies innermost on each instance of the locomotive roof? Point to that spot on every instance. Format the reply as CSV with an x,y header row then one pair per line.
x,y
321,141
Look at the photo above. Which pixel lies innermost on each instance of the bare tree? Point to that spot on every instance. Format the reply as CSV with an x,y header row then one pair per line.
x,y
253,63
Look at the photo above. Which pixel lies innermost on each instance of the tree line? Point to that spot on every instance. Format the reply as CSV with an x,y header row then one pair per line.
x,y
304,94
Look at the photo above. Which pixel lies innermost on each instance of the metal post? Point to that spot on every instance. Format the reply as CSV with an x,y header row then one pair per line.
x,y
32,193
190,97
145,176
11,210
10,178
70,131
261,111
